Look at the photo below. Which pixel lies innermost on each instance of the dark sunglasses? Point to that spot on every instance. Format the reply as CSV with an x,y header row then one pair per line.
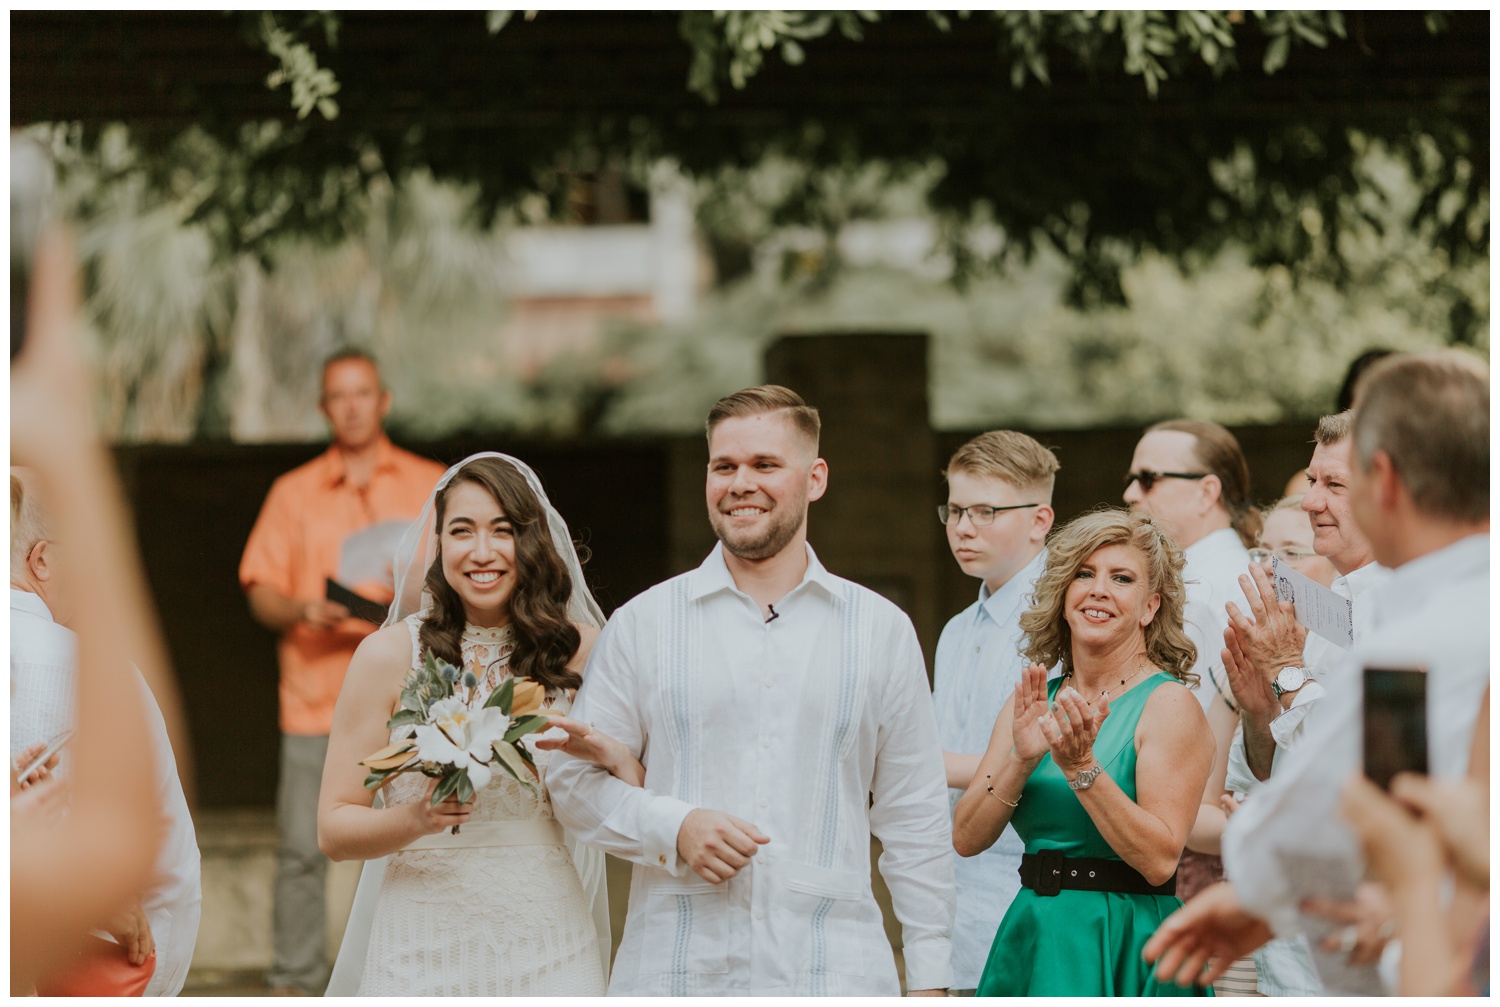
x,y
1148,478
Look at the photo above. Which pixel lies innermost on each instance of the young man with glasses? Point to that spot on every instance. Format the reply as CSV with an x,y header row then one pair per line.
x,y
1191,478
998,513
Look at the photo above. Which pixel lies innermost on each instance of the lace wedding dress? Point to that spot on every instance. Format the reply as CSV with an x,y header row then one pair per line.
x,y
484,920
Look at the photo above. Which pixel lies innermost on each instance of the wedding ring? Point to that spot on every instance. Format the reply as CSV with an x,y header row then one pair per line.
x,y
1348,937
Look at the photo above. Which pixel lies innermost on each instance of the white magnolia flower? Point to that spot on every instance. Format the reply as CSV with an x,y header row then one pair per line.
x,y
462,737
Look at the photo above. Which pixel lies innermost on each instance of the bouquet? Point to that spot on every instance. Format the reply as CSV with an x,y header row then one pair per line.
x,y
457,745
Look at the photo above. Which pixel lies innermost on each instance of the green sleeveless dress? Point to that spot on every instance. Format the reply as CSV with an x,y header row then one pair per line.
x,y
1079,943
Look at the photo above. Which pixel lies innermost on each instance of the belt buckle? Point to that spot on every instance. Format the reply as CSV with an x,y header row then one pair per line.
x,y
1049,869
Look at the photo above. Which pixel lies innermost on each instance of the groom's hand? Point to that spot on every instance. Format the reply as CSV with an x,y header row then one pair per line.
x,y
716,845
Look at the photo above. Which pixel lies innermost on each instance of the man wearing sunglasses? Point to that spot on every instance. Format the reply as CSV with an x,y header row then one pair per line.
x,y
1191,478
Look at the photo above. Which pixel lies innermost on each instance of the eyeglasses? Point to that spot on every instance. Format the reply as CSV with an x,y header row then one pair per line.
x,y
1148,478
1286,553
980,515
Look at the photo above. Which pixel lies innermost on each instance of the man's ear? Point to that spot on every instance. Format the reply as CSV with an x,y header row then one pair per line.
x,y
37,561
817,480
1041,522
1211,491
1385,480
385,403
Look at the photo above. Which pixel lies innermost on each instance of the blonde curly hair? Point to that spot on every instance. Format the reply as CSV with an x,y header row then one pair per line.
x,y
1049,639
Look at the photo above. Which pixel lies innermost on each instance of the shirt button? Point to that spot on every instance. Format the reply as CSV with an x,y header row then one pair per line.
x,y
765,742
976,650
764,802
662,860
760,914
768,683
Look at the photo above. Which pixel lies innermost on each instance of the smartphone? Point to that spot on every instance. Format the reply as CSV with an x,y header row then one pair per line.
x,y
52,748
1395,723
32,181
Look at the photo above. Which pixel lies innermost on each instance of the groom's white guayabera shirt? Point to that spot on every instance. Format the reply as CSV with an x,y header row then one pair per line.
x,y
43,702
818,728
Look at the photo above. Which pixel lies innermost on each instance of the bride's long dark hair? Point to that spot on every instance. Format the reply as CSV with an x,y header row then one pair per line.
x,y
546,638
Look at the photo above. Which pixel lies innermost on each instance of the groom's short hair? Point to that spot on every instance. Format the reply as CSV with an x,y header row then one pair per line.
x,y
767,399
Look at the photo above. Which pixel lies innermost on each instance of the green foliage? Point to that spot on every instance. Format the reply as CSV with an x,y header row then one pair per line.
x,y
312,86
733,44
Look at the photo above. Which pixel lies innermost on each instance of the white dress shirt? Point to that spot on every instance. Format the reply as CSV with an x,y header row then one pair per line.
x,y
977,668
793,725
43,674
1211,576
1289,841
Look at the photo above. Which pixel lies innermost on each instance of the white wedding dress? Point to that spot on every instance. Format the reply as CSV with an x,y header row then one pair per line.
x,y
505,916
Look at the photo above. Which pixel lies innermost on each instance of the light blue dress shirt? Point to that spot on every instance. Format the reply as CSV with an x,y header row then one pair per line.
x,y
977,667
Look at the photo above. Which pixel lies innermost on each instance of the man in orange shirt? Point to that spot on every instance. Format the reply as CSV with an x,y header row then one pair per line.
x,y
298,543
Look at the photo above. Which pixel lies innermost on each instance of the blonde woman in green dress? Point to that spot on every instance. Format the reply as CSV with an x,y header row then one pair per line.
x,y
1101,771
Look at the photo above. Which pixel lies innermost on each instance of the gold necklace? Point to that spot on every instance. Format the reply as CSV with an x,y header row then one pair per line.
x,y
1104,693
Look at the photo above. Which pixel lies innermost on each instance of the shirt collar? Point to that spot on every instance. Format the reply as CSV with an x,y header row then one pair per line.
x,y
333,460
999,605
1418,579
31,604
713,575
1222,544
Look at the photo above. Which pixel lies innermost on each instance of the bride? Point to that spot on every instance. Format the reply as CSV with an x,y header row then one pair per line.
x,y
486,574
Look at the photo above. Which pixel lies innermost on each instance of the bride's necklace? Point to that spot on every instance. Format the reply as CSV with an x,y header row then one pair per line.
x,y
1104,693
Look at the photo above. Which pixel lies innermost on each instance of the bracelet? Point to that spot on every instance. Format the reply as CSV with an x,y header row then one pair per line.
x,y
991,791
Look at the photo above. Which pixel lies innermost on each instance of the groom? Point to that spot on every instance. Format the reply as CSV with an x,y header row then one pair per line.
x,y
783,717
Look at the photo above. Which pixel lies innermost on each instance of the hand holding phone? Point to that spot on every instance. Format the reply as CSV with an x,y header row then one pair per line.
x,y
52,747
1395,723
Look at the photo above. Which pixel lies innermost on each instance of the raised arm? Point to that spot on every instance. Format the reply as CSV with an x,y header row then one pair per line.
x,y
349,826
1016,747
68,874
1174,755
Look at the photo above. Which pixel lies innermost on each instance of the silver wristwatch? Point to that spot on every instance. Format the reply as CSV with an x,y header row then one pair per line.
x,y
1085,779
1289,679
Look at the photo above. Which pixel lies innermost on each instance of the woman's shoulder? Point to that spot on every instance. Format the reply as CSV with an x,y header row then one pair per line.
x,y
387,645
1171,703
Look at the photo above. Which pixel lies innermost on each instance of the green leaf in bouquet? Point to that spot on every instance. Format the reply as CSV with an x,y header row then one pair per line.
x,y
502,696
377,779
514,763
447,784
525,754
465,791
404,717
525,726
412,700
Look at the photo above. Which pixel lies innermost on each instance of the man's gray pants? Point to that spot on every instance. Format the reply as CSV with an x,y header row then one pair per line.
x,y
299,921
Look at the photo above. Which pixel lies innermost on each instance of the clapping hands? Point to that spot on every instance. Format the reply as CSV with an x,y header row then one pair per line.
x,y
1067,729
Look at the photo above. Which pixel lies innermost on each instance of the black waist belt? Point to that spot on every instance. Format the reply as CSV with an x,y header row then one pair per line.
x,y
1049,872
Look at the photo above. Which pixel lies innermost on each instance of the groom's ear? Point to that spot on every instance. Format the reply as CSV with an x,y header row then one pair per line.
x,y
817,480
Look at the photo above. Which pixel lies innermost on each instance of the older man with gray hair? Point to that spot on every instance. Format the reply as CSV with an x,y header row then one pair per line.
x,y
1419,490
43,670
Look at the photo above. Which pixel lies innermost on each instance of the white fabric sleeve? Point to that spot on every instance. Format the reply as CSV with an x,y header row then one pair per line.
x,y
1286,729
909,815
1238,777
602,811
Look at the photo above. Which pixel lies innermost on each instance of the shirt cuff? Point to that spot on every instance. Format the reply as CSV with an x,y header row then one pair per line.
x,y
661,819
928,965
1284,727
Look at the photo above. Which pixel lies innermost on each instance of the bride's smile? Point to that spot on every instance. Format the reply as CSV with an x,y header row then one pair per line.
x,y
479,554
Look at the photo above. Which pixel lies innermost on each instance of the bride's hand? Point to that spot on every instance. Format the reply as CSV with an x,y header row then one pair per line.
x,y
448,812
1029,709
585,741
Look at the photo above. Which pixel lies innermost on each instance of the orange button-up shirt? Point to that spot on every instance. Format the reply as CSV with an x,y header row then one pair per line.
x,y
295,546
